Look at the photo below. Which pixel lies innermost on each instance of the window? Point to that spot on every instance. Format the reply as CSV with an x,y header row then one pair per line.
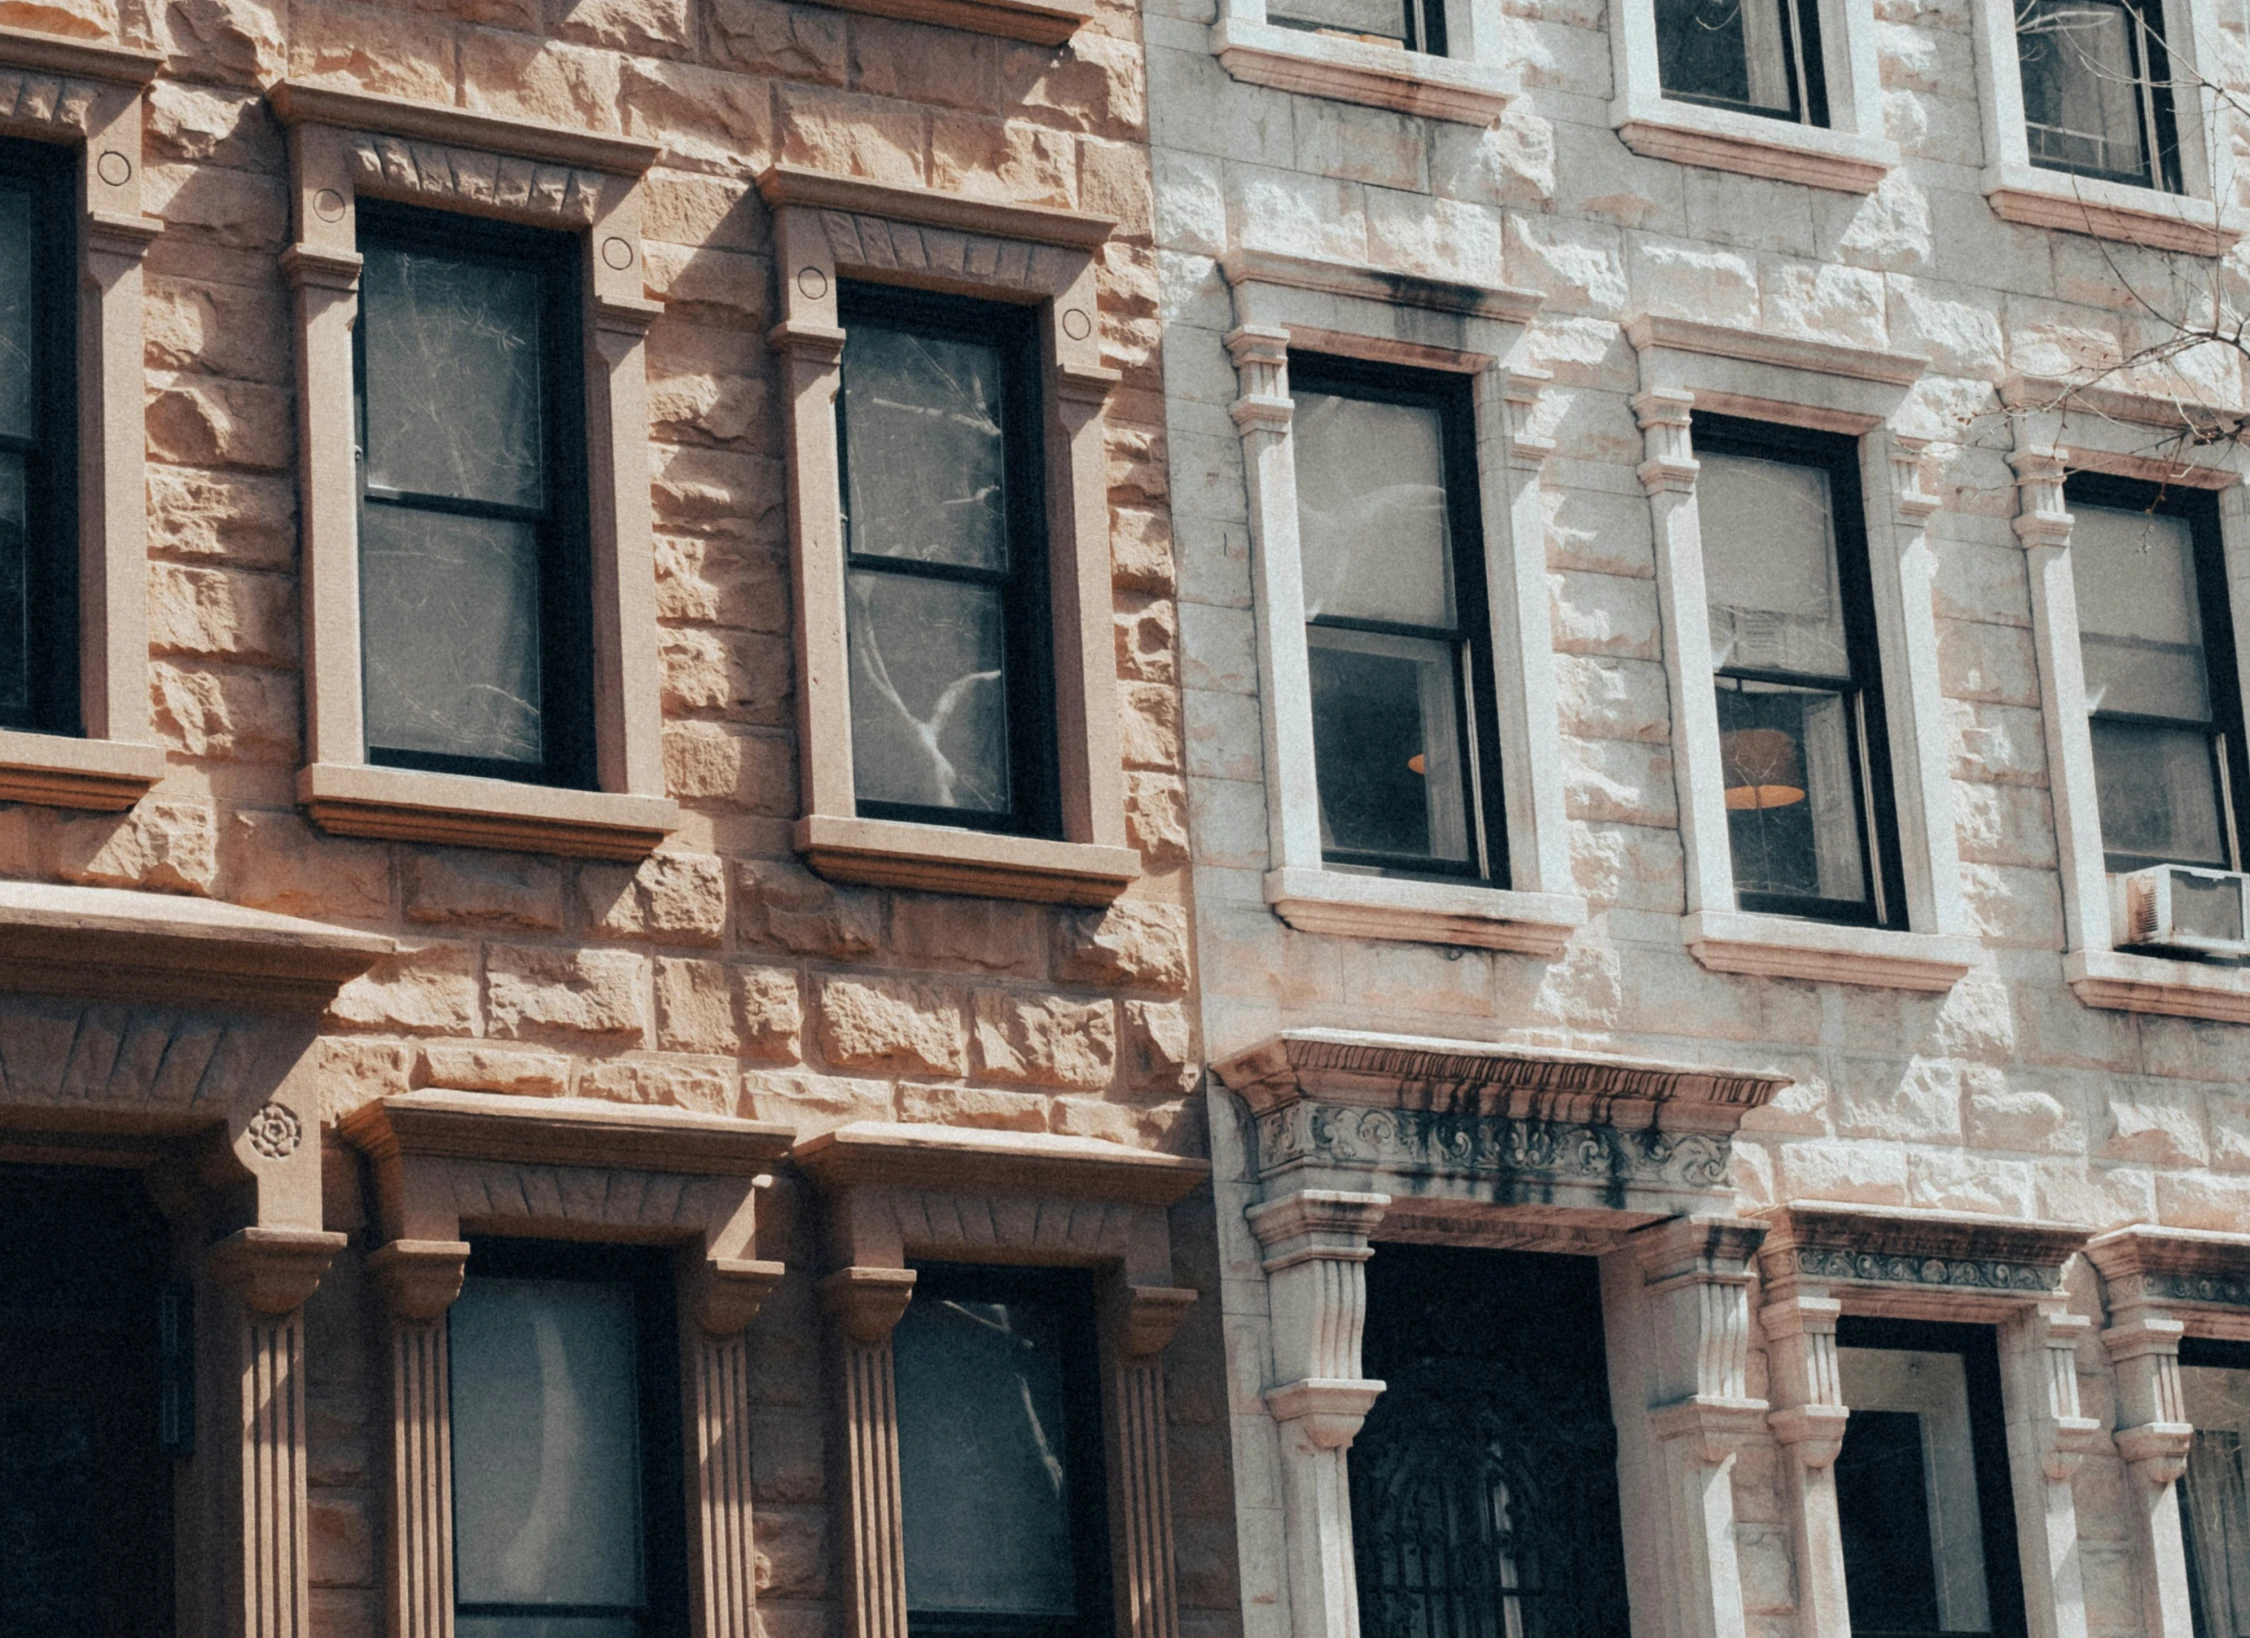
x,y
1411,25
1405,733
945,563
1484,1484
2097,98
474,601
38,441
1756,56
2215,1493
1001,1495
1793,648
567,1490
2160,679
1922,1499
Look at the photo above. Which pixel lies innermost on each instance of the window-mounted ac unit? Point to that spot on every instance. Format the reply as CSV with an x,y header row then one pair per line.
x,y
2184,908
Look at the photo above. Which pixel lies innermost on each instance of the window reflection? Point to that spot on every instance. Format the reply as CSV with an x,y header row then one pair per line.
x,y
1756,56
2094,93
2215,1492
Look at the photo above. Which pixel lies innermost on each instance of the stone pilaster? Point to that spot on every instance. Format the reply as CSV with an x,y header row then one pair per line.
x,y
419,1280
1808,1420
1142,1321
725,1297
865,1306
2047,1441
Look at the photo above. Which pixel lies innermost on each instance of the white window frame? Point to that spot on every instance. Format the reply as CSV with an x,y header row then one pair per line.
x,y
1283,302
1472,83
1850,154
2058,428
2200,220
1687,365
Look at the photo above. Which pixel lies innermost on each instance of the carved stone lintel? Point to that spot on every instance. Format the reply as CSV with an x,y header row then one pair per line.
x,y
1329,1412
867,1303
1148,1316
273,1270
728,1291
419,1279
474,180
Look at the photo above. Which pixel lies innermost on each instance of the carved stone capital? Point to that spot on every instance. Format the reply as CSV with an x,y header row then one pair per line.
x,y
1329,1411
1147,1317
309,268
273,1270
1714,1429
867,1302
419,1279
2157,1452
808,343
728,1291
1316,1223
1814,1434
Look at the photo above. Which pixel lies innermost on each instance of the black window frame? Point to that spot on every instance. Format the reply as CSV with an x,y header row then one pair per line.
x,y
664,1501
1071,1291
49,173
1808,81
1027,608
2199,509
1421,27
1452,395
566,625
1979,1349
1873,788
2151,67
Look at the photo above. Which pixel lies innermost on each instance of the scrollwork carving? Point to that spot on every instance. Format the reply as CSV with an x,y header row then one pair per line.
x,y
1474,1145
1958,1273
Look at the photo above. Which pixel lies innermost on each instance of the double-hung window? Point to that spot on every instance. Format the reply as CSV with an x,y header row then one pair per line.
x,y
1753,56
2215,1491
474,561
2097,94
1001,1491
2158,656
1397,628
1409,25
568,1500
1922,1495
945,575
1810,818
38,439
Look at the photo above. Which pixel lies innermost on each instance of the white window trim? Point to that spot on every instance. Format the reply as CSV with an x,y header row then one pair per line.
x,y
1850,154
1282,302
1470,84
2201,220
2059,428
348,143
87,96
1687,365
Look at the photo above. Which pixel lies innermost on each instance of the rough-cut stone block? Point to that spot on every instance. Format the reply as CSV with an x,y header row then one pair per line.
x,y
425,989
532,991
168,847
930,930
889,1024
981,1106
1159,1049
473,888
1045,1040
275,861
677,1085
695,1007
777,903
673,898
464,1068
1133,942
814,1103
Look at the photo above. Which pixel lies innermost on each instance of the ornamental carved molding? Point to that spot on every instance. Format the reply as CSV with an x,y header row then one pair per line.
x,y
2144,1266
48,100
1950,1260
473,179
1829,1263
99,1055
880,244
1472,1145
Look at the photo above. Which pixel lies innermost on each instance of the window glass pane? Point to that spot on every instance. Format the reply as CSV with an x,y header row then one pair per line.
x,y
451,351
450,610
2140,623
2158,789
2081,90
1379,22
924,450
2217,1500
1387,744
546,1626
19,315
929,692
15,591
1792,807
1726,51
984,1458
1769,567
1906,1494
1371,518
546,1447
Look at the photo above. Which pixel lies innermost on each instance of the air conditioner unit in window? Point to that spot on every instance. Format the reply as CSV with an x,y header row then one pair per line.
x,y
2184,908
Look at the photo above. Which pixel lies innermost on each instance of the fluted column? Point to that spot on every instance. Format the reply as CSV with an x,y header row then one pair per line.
x,y
2047,1441
865,1305
726,1297
419,1280
1808,1418
1141,1324
267,1274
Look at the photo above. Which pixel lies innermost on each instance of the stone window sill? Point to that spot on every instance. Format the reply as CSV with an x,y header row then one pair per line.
x,y
1724,140
1484,918
2178,989
100,775
1821,951
1042,22
399,805
1411,82
943,859
2111,210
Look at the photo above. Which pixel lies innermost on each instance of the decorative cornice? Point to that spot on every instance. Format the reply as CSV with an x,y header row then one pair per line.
x,y
584,1132
88,59
1471,1145
2167,1267
2172,412
1655,331
1820,1244
297,102
957,1159
783,186
476,178
1392,289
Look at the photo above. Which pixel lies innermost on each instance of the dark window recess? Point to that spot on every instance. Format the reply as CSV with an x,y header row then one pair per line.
x,y
38,440
1409,25
1754,56
946,563
1802,741
1399,649
2097,94
2215,1491
568,1496
475,603
1484,1486
2157,649
1922,1496
1001,1494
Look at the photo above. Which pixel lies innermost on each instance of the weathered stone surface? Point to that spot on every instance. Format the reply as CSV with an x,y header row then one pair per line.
x,y
168,847
890,1024
783,904
425,989
672,898
492,1069
275,861
1045,1040
1133,942
532,991
699,1087
930,930
473,888
1159,1050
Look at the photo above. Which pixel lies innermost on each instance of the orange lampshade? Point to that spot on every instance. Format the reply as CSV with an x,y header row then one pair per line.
x,y
1762,768
1415,764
